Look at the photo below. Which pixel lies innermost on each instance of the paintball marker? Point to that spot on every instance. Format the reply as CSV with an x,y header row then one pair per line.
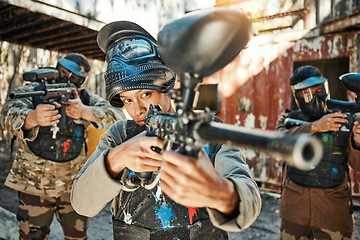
x,y
48,92
196,46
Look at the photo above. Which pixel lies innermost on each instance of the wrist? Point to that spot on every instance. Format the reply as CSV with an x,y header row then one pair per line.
x,y
355,144
229,198
87,114
112,166
313,128
83,112
30,121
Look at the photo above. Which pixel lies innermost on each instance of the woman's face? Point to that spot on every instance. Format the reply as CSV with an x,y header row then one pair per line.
x,y
137,103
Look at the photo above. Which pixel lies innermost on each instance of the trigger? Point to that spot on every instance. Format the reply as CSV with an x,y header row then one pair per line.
x,y
156,149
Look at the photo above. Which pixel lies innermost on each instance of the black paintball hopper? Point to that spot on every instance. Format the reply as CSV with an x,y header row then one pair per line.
x,y
351,81
43,73
204,41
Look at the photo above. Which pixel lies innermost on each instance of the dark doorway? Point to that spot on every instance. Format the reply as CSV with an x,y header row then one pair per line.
x,y
331,69
208,97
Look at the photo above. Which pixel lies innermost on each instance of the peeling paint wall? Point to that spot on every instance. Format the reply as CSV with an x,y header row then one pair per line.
x,y
255,87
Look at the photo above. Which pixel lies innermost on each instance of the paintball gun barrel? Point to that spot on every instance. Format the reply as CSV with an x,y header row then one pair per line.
x,y
48,92
303,151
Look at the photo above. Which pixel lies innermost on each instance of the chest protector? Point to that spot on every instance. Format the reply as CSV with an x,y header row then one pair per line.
x,y
152,209
332,168
59,144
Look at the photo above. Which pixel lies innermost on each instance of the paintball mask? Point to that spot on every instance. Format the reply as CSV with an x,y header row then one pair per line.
x,y
75,74
312,102
133,61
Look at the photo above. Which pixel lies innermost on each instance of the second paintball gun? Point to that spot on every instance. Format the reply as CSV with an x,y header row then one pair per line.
x,y
196,46
48,92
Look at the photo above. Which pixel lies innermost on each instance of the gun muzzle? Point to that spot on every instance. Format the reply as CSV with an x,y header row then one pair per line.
x,y
301,151
306,152
15,95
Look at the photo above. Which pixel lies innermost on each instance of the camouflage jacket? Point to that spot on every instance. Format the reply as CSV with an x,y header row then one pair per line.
x,y
37,176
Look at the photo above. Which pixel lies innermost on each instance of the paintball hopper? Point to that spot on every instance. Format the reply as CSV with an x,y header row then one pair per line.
x,y
351,81
204,41
37,75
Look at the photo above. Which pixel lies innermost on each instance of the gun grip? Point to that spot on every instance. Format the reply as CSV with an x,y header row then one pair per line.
x,y
146,176
63,116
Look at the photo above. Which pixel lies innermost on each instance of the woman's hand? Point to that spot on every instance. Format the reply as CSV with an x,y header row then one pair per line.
x,y
135,154
195,183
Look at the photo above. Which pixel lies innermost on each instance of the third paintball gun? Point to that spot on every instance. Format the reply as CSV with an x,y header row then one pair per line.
x,y
47,91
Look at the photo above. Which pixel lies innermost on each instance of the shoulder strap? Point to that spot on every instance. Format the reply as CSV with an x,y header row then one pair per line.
x,y
132,129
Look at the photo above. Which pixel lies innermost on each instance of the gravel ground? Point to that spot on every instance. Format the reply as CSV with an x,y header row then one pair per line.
x,y
100,227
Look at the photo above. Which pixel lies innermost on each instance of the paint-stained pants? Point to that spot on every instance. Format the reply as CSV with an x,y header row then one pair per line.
x,y
292,231
35,215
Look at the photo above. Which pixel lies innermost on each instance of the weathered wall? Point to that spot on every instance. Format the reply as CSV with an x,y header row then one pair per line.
x,y
255,87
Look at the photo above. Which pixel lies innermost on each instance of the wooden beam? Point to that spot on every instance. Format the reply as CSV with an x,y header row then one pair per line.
x,y
75,44
23,22
70,38
37,29
59,13
84,48
55,34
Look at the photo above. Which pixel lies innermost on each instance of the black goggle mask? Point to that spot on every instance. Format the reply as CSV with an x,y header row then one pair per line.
x,y
306,95
133,62
72,78
313,103
132,49
74,73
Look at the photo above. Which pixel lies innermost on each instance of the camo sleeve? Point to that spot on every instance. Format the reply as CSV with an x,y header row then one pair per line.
x,y
14,111
105,114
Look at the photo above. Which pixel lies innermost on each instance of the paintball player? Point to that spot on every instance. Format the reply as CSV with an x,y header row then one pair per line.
x,y
316,204
196,198
48,156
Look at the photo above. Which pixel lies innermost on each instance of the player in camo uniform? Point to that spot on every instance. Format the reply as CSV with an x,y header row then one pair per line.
x,y
49,156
